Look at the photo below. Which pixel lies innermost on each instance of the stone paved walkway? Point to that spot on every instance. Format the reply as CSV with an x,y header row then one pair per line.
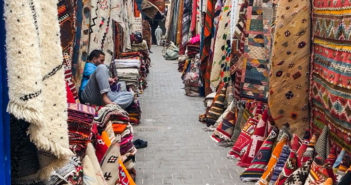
x,y
179,152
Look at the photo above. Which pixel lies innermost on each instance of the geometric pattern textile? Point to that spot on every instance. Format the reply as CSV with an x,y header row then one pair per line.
x,y
258,165
67,20
331,72
255,72
101,29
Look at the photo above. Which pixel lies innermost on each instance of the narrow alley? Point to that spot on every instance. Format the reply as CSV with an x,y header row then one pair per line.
x,y
179,150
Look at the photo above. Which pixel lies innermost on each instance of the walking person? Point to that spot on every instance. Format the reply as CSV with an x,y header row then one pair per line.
x,y
158,34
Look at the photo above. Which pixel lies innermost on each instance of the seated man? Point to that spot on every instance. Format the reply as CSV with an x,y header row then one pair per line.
x,y
90,67
98,91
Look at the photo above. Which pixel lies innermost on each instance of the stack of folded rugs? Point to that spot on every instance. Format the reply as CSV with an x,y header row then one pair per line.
x,y
80,120
193,46
193,49
129,61
133,68
144,65
191,77
128,71
114,121
182,62
134,112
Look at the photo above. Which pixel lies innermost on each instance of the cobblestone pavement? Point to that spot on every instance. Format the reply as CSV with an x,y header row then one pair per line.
x,y
179,151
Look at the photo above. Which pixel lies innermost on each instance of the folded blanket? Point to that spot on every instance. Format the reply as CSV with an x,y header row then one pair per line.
x,y
257,139
266,176
258,165
128,63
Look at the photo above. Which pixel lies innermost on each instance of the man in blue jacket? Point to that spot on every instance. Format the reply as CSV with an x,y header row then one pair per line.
x,y
95,88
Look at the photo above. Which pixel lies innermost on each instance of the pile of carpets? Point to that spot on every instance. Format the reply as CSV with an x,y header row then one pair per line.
x,y
133,68
128,71
130,76
182,62
134,112
191,68
80,123
191,77
192,49
80,119
145,63
113,126
103,148
193,46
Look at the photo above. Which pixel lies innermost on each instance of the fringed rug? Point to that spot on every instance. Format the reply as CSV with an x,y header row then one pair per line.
x,y
37,87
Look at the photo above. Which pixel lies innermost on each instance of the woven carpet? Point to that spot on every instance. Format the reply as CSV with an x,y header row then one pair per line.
x,y
151,7
258,165
186,21
222,49
101,29
330,86
84,42
255,83
225,127
288,100
206,38
257,138
67,20
243,141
